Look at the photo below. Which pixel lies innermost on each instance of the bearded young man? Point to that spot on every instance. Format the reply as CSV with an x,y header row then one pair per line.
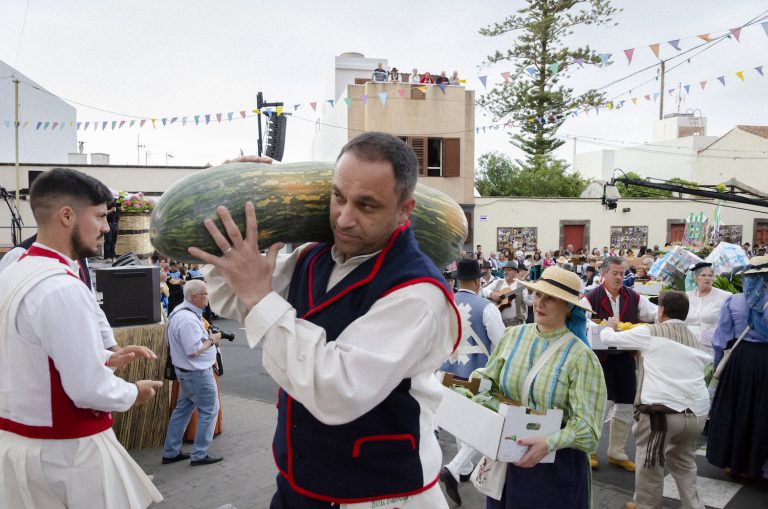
x,y
56,389
352,332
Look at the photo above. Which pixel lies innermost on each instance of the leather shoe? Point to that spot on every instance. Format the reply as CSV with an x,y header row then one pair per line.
x,y
451,486
208,460
627,465
179,457
593,462
464,477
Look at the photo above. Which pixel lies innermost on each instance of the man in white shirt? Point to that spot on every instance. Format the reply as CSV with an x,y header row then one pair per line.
x,y
487,277
513,299
352,332
672,401
57,391
193,354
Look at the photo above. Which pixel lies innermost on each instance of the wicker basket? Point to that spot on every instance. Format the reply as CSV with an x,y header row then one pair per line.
x,y
133,235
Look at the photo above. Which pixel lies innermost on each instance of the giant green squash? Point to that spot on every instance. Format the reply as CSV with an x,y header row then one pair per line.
x,y
292,204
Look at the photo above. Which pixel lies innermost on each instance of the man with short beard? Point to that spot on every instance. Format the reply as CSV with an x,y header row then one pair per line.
x,y
56,389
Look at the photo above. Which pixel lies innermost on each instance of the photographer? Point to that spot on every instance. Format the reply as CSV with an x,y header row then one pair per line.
x,y
193,353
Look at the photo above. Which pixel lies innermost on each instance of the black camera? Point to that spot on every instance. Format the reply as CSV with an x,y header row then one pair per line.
x,y
225,334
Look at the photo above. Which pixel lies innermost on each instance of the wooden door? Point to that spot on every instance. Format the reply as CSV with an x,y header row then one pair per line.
x,y
676,232
573,234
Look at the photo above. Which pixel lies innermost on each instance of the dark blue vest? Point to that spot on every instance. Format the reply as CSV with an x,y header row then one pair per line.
x,y
377,455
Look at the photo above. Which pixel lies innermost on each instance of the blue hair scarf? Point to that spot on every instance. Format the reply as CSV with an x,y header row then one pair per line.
x,y
577,322
756,295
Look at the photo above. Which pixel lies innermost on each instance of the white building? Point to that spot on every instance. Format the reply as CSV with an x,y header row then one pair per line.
x,y
38,142
672,152
741,154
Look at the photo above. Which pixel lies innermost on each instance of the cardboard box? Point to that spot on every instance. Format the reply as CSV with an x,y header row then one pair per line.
x,y
649,289
495,434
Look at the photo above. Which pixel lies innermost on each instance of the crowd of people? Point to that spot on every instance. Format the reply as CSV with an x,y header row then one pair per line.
x,y
381,75
356,333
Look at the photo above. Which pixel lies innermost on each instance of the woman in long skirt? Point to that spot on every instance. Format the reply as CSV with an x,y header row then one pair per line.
x,y
571,380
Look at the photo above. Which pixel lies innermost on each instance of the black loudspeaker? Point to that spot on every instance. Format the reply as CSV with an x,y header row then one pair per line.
x,y
131,295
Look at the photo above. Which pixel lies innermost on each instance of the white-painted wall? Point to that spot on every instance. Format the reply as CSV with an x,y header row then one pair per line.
x,y
546,214
738,154
35,145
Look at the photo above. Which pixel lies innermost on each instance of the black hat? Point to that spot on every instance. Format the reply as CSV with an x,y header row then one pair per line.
x,y
467,269
447,274
487,264
699,265
510,265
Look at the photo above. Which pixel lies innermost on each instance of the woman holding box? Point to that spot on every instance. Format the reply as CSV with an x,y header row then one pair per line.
x,y
571,379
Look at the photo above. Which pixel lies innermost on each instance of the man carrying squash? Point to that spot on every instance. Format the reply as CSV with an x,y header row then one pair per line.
x,y
352,332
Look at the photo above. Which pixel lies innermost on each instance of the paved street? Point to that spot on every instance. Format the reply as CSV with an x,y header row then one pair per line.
x,y
246,477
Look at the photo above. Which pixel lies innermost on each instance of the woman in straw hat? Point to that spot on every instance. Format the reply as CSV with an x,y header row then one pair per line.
x,y
571,380
739,415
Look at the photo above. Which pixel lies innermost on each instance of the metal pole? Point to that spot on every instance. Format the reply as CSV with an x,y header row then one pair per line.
x,y
16,131
259,103
661,94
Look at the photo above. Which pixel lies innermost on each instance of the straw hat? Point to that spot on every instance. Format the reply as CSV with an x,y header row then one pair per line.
x,y
561,260
757,264
559,283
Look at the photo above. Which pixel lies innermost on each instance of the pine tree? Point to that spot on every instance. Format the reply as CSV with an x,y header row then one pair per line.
x,y
533,96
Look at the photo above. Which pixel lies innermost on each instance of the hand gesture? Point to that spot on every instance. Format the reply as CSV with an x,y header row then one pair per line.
x,y
129,354
147,390
216,338
248,274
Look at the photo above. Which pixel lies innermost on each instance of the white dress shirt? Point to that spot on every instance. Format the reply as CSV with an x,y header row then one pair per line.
x,y
647,311
704,312
674,373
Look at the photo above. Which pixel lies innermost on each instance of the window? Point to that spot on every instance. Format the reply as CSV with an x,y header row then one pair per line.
x,y
418,92
437,157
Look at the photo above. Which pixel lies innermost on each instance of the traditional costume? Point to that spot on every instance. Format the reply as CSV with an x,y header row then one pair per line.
x,y
358,394
57,448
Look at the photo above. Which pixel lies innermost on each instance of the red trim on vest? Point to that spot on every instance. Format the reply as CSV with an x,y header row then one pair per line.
x,y
374,271
381,438
68,421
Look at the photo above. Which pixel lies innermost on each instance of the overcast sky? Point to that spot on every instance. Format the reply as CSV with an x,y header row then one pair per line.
x,y
183,58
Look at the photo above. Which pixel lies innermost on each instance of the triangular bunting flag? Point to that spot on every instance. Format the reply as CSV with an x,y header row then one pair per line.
x,y
597,110
86,126
164,120
364,98
655,49
296,107
24,124
530,70
765,27
401,93
122,123
279,110
63,124
554,68
629,52
703,84
103,126
38,125
95,126
634,101
604,57
705,37
78,125
314,105
759,70
257,111
114,124
197,119
183,121
143,121
174,119
671,91
647,97
484,79
207,118
441,86
655,97
580,61
229,116
477,130
740,75
242,114
721,79
675,44
331,101
348,100
383,97
687,89
154,124
7,124
268,112
736,32
56,124
505,74
218,118
422,88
